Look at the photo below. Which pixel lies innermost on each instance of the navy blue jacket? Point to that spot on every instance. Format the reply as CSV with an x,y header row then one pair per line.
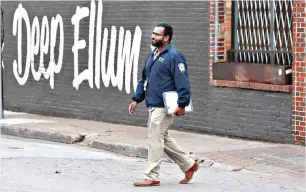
x,y
168,72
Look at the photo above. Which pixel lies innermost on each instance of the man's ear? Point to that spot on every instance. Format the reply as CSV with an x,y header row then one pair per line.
x,y
167,38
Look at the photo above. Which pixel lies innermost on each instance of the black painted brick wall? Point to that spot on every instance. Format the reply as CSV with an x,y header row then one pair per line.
x,y
228,111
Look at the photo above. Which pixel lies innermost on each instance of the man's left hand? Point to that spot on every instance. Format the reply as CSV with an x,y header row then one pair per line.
x,y
179,111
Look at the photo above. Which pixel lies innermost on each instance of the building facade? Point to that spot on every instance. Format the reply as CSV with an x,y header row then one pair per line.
x,y
260,45
82,59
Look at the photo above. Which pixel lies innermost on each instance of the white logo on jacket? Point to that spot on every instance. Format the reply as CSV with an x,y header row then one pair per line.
x,y
161,59
181,67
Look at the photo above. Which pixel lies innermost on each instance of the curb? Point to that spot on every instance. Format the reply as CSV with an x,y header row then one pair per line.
x,y
124,149
43,135
119,148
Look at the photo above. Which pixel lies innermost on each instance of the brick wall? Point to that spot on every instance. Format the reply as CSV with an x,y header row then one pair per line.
x,y
243,113
298,86
250,112
190,23
299,73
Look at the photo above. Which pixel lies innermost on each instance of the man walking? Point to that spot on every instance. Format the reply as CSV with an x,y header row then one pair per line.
x,y
165,70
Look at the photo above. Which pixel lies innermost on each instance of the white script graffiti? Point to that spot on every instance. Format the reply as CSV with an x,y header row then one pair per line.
x,y
127,56
42,39
38,39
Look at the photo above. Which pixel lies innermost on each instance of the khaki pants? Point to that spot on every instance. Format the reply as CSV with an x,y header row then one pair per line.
x,y
159,141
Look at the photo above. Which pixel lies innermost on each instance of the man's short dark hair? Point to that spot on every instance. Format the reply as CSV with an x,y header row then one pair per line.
x,y
167,30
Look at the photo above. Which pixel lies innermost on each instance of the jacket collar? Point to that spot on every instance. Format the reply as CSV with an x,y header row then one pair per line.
x,y
168,47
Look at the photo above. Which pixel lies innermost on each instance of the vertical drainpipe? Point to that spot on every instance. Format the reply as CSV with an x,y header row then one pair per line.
x,y
216,31
1,69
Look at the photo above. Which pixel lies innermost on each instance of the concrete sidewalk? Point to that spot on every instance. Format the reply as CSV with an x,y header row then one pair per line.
x,y
220,152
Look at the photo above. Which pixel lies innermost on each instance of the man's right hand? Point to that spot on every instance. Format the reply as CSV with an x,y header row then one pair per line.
x,y
132,107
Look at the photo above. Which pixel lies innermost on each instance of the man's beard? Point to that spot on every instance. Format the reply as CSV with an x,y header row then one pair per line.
x,y
157,43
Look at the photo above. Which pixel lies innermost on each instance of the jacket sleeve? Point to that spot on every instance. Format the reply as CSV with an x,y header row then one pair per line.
x,y
181,80
139,96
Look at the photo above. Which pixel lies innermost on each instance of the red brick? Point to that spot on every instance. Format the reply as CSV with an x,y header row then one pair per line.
x,y
298,142
299,138
298,108
300,49
300,79
295,132
300,128
300,89
221,17
299,99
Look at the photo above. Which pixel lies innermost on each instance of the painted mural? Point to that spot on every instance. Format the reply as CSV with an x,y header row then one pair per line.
x,y
41,40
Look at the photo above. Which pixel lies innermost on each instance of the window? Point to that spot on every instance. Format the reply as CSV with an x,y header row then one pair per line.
x,y
262,32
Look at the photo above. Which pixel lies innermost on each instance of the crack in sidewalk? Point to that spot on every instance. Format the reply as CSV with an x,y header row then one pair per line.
x,y
80,139
86,139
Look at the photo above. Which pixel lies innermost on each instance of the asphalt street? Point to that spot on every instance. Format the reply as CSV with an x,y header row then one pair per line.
x,y
40,166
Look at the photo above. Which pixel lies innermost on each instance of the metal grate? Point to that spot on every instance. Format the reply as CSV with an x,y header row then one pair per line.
x,y
263,31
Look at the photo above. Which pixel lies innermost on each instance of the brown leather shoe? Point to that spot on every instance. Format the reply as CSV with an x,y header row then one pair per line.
x,y
189,173
146,183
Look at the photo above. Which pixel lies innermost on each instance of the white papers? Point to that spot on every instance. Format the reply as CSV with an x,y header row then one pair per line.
x,y
170,102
